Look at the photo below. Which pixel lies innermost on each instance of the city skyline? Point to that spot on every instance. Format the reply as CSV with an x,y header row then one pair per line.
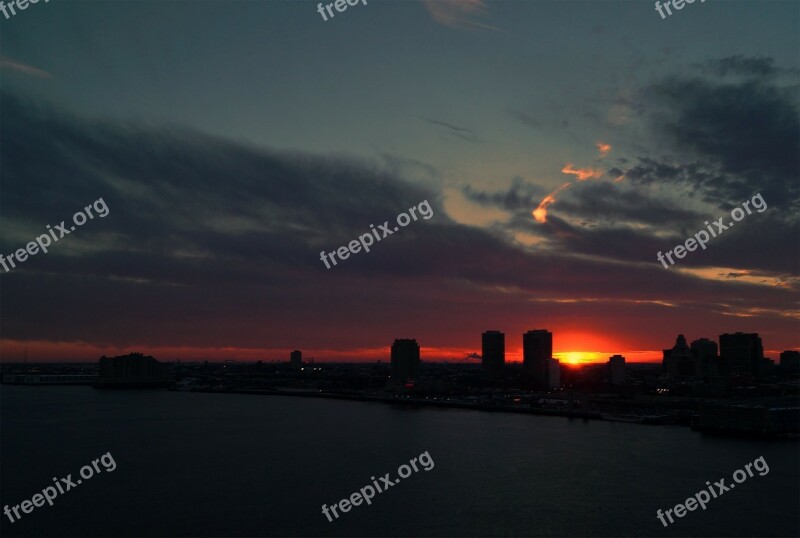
x,y
429,354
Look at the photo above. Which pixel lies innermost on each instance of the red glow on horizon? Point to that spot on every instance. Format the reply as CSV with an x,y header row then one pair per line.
x,y
571,348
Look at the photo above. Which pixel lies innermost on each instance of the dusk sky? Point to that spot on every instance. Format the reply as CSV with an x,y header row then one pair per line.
x,y
234,141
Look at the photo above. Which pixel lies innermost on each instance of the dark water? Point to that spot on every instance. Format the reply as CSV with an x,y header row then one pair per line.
x,y
237,465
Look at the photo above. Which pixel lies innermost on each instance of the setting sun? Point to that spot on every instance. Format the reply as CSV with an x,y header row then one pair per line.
x,y
578,357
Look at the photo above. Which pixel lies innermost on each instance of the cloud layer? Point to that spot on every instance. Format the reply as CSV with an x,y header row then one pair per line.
x,y
213,243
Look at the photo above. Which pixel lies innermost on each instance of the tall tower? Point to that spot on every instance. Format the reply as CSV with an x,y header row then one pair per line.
x,y
537,349
678,362
493,353
296,359
616,369
405,360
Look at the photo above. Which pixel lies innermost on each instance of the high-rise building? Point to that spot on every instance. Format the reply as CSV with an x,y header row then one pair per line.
x,y
790,362
537,348
678,362
706,358
616,370
296,359
405,360
742,353
493,354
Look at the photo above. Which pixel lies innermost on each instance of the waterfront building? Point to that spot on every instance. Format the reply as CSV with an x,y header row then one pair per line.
x,y
616,370
678,362
49,379
493,354
133,370
777,417
537,349
296,359
742,353
405,361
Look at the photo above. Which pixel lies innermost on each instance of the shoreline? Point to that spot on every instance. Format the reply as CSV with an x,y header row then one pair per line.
x,y
447,404
648,420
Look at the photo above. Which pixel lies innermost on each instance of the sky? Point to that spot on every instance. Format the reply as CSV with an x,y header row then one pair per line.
x,y
560,144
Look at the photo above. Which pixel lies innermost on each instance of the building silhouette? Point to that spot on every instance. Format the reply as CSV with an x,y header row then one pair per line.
x,y
537,349
296,359
790,362
493,354
131,371
742,353
678,362
616,370
706,358
405,361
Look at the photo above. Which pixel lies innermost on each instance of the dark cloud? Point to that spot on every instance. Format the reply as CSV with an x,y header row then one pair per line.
x,y
700,179
613,204
211,242
616,172
599,201
756,66
520,197
618,222
734,138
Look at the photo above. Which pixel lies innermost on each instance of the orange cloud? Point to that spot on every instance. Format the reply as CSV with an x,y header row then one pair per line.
x,y
604,148
540,213
582,173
